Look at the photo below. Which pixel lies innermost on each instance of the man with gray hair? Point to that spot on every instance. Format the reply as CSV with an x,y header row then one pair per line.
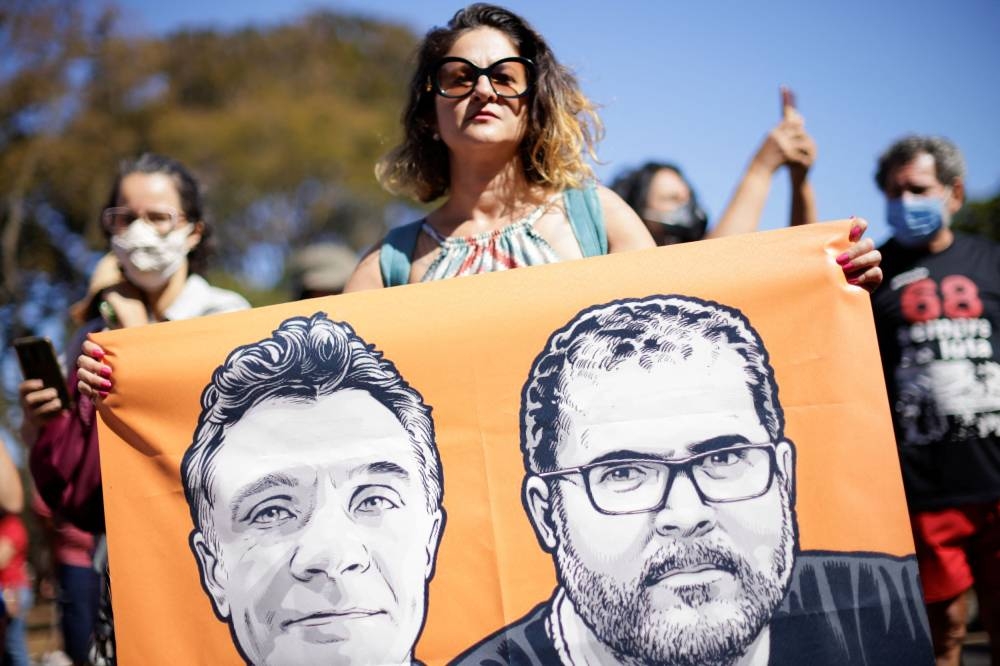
x,y
660,478
315,489
937,316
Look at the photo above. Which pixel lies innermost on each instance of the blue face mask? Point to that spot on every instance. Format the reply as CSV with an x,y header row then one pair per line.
x,y
914,221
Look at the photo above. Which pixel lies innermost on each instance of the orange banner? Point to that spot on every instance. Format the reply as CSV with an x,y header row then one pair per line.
x,y
601,457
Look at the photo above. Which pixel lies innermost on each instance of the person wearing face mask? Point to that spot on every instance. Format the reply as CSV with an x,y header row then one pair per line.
x,y
937,318
662,197
666,202
159,241
159,244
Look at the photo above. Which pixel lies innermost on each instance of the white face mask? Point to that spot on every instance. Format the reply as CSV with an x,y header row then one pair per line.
x,y
149,259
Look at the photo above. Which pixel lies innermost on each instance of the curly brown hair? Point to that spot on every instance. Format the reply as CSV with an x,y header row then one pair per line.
x,y
562,125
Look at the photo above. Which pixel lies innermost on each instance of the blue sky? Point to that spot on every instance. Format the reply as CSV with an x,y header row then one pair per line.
x,y
697,82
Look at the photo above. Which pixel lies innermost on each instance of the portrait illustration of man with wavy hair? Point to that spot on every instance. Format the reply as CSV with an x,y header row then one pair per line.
x,y
315,488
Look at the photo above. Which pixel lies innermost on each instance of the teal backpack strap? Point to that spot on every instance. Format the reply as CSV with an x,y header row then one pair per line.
x,y
585,216
394,255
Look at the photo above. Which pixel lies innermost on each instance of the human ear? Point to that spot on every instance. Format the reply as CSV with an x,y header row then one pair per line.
x,y
434,541
212,574
537,503
784,453
957,196
193,238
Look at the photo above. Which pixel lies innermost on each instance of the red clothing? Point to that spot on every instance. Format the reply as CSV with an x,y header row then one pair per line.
x,y
15,574
66,466
957,548
71,546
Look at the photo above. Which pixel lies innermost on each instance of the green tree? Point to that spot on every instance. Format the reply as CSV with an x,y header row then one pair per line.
x,y
981,217
282,124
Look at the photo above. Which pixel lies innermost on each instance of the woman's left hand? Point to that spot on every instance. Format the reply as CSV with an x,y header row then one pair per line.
x,y
93,376
861,260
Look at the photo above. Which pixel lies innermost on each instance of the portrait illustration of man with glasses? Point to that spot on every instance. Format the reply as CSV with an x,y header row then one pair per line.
x,y
660,479
315,489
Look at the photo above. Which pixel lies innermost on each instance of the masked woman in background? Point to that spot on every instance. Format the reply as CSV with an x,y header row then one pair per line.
x,y
159,240
666,201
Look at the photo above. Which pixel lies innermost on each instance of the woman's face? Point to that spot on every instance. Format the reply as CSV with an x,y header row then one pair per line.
x,y
482,119
146,192
667,193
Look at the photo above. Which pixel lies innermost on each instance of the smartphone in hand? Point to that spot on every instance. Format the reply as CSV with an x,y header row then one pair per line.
x,y
38,361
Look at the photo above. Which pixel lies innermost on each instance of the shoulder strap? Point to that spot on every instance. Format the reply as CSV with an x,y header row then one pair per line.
x,y
394,255
585,216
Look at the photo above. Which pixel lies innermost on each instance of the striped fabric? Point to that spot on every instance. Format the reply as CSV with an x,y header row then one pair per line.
x,y
512,246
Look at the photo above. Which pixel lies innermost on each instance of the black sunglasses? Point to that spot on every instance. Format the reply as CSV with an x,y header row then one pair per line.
x,y
456,77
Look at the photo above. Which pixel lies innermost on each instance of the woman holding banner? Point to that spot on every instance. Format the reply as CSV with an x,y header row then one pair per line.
x,y
500,128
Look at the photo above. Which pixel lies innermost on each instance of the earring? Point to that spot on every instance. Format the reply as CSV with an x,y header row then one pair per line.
x,y
436,136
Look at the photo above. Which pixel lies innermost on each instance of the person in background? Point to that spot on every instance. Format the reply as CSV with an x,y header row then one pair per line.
x,y
500,129
321,269
937,321
667,203
15,585
160,242
11,489
11,501
78,583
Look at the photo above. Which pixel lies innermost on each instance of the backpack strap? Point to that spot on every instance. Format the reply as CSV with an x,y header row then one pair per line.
x,y
587,220
394,255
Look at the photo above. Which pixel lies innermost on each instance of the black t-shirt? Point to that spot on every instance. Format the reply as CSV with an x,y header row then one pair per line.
x,y
937,317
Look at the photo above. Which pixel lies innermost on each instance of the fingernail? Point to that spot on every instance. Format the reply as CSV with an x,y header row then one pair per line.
x,y
98,353
103,394
855,233
843,259
854,281
847,267
105,371
105,384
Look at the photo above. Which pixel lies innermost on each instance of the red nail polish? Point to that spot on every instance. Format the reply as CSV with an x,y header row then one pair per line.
x,y
847,267
855,233
105,371
105,384
854,281
98,353
843,259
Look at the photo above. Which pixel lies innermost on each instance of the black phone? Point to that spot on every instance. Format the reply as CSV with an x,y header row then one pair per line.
x,y
38,361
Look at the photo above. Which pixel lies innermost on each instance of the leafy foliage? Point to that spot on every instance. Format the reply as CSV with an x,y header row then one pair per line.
x,y
980,217
282,124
